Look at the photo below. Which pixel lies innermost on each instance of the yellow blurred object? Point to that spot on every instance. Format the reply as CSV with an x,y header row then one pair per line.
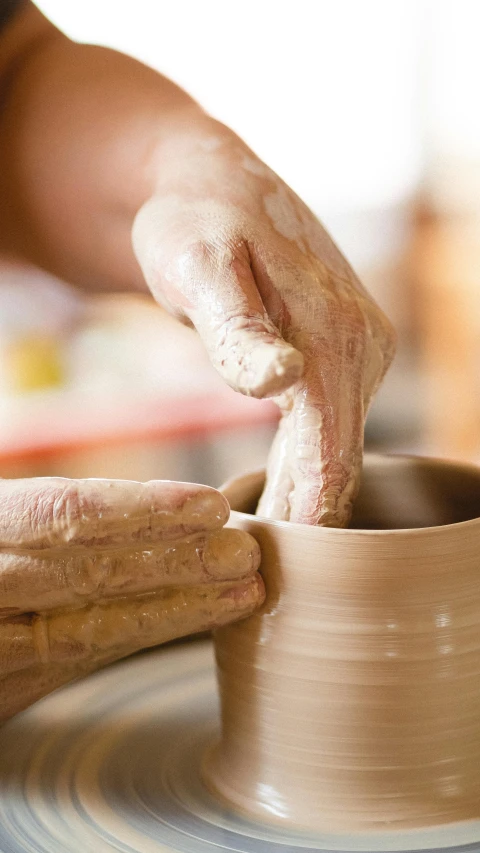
x,y
33,363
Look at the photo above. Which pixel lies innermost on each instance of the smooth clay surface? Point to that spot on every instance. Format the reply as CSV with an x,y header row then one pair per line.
x,y
351,701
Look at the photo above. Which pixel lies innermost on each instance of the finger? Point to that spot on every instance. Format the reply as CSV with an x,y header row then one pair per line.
x,y
326,462
51,512
242,342
275,499
72,645
325,431
210,279
119,627
46,580
314,466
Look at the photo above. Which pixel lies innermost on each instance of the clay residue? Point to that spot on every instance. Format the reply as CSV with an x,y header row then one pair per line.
x,y
282,315
93,570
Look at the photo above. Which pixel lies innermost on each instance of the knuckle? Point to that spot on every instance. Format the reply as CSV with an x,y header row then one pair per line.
x,y
67,512
86,576
204,258
195,257
186,270
200,258
33,512
63,512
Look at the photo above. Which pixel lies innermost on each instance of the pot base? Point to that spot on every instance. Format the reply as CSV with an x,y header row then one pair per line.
x,y
266,807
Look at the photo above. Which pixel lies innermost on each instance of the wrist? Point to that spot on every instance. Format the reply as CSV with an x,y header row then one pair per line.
x,y
194,149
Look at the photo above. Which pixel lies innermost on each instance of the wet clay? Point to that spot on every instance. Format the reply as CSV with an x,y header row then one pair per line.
x,y
351,700
229,248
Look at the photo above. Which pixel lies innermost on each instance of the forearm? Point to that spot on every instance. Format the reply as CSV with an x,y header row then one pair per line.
x,y
83,133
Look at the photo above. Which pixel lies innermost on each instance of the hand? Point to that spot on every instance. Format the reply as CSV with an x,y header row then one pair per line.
x,y
226,245
93,570
221,241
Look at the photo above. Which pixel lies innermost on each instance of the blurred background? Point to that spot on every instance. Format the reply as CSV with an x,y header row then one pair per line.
x,y
369,110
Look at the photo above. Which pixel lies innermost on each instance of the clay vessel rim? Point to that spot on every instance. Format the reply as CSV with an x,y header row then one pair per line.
x,y
332,532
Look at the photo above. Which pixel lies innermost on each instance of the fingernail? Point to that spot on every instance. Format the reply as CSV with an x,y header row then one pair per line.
x,y
207,509
231,554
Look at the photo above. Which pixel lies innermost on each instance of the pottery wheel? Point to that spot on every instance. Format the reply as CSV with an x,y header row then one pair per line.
x,y
112,763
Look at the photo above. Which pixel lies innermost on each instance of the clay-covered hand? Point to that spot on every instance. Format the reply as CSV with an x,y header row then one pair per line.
x,y
93,570
225,244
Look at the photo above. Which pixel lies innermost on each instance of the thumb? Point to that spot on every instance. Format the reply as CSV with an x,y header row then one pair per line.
x,y
208,278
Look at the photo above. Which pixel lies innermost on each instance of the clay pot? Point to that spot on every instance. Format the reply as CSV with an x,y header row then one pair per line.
x,y
351,701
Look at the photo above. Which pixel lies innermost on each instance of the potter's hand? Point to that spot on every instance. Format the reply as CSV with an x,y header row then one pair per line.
x,y
220,239
225,244
92,570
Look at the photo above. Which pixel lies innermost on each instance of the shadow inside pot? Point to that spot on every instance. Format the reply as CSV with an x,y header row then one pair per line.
x,y
396,493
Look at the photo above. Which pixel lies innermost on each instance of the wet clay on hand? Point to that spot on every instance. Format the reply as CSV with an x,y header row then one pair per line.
x,y
227,246
93,570
351,700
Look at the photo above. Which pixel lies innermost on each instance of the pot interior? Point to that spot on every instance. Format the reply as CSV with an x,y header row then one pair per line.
x,y
396,492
